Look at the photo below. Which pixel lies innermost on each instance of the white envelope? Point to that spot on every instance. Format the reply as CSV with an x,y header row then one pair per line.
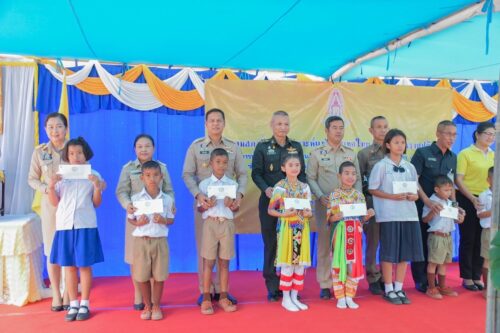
x,y
351,210
404,187
75,171
299,204
450,212
146,207
222,191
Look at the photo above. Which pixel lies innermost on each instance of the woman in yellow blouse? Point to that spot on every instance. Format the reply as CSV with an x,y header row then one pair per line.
x,y
472,170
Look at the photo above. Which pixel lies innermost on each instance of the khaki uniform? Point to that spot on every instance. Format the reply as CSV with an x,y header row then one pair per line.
x,y
196,168
44,165
367,158
322,170
129,184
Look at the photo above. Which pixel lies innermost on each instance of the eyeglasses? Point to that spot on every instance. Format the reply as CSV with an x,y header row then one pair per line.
x,y
488,134
398,169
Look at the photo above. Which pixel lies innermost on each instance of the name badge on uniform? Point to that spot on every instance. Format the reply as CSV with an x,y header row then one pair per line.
x,y
204,152
135,172
325,159
432,159
46,156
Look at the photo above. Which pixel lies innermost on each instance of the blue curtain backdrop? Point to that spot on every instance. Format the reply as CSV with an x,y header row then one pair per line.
x,y
110,127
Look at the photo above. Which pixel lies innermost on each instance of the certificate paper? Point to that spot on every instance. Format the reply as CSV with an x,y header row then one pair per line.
x,y
299,204
146,207
74,171
222,191
450,212
404,187
350,210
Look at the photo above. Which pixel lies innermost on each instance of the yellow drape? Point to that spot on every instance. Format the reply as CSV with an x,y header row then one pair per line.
x,y
63,104
225,74
470,110
374,80
302,77
170,97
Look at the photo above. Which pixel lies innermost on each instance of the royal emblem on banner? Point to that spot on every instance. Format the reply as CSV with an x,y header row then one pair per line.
x,y
336,104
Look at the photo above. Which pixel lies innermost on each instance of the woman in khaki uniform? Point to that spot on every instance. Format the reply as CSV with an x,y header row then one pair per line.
x,y
44,164
129,184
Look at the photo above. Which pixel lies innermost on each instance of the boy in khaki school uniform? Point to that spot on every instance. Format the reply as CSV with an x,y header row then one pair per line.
x,y
150,250
218,232
439,242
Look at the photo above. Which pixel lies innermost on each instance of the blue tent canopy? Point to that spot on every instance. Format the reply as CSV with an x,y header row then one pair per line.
x,y
456,52
315,37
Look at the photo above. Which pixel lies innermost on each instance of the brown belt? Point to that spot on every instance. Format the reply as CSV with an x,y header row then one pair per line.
x,y
217,218
441,234
148,237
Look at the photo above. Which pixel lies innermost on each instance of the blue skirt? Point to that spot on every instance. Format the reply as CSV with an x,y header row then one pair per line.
x,y
76,247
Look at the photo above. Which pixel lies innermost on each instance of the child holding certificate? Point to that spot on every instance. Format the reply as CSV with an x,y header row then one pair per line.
x,y
293,253
151,218
439,242
347,210
217,243
484,213
76,246
393,184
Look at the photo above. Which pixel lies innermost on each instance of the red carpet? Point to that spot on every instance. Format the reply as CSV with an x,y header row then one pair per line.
x,y
111,299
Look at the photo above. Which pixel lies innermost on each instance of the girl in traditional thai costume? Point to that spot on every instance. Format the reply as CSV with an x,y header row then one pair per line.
x,y
347,265
293,252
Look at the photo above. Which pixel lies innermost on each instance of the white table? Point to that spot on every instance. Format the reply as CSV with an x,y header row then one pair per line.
x,y
21,260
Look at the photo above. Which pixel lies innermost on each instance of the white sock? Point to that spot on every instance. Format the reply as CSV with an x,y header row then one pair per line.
x,y
398,286
287,302
350,303
84,302
73,304
388,287
341,303
295,300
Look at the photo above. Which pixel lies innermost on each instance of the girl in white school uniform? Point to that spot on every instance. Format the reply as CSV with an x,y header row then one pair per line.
x,y
400,238
76,245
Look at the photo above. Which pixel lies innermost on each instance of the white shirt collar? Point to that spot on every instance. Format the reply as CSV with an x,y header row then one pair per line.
x,y
145,194
215,179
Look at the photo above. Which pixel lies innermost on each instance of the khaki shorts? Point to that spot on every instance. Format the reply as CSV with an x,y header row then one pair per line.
x,y
485,243
217,239
151,259
440,249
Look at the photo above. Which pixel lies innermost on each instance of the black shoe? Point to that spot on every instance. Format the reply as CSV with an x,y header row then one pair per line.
x,y
479,285
392,298
471,287
65,307
325,294
402,296
273,296
83,315
139,306
71,316
57,308
375,288
422,287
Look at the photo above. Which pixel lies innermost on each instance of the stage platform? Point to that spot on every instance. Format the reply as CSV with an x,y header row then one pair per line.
x,y
111,308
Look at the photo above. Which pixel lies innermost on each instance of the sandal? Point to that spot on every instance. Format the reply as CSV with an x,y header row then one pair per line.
x,y
207,308
227,305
